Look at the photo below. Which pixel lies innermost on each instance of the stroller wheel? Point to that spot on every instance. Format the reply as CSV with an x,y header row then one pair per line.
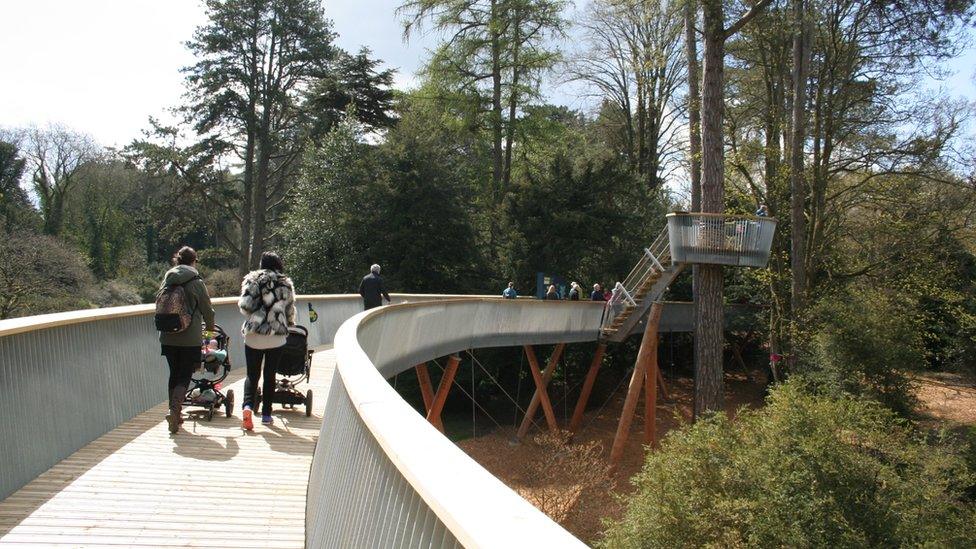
x,y
308,403
210,412
229,403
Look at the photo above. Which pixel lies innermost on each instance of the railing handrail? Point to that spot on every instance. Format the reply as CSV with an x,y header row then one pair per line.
x,y
654,259
743,217
17,325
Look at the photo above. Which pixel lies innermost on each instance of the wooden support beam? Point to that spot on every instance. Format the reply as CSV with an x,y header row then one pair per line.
x,y
434,414
660,382
648,349
584,397
651,375
546,378
540,392
426,389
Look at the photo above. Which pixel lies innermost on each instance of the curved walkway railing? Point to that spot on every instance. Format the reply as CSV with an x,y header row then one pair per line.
x,y
384,477
68,378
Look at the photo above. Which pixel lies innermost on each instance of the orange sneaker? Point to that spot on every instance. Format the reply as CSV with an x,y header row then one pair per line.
x,y
248,422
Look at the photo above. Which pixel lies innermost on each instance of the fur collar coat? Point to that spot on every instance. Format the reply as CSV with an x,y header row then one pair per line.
x,y
267,302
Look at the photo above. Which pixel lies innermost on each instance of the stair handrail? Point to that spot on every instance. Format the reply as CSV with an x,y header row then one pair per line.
x,y
652,260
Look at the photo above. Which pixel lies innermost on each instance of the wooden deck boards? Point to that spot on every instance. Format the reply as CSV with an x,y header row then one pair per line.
x,y
211,485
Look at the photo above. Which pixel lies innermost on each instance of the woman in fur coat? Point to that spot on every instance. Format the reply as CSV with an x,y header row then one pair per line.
x,y
268,304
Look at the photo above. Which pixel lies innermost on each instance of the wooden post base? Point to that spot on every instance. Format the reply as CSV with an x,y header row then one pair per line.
x,y
541,396
584,397
437,404
645,370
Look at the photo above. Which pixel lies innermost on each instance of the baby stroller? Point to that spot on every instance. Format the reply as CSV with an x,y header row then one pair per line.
x,y
293,368
204,391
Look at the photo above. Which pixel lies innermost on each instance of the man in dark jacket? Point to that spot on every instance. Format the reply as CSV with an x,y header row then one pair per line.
x,y
597,293
372,289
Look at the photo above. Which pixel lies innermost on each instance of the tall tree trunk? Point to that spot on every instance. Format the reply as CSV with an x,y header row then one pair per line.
x,y
709,383
512,111
694,136
243,257
247,190
261,194
694,107
497,159
801,59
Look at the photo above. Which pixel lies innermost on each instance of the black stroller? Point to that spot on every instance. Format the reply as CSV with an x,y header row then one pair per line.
x,y
204,390
293,368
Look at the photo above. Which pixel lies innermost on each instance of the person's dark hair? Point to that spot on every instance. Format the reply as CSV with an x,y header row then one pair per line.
x,y
271,261
184,256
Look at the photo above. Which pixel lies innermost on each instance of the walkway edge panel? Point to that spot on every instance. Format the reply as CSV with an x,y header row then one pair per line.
x,y
382,476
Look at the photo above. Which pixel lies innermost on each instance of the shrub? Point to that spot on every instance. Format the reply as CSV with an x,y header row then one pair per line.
x,y
866,342
39,274
113,293
225,283
805,471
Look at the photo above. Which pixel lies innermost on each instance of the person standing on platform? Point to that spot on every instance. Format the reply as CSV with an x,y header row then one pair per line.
x,y
574,292
597,294
510,293
372,289
763,211
552,293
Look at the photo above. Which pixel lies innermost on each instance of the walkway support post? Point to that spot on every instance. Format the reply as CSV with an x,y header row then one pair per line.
x,y
646,358
541,395
584,397
660,382
434,414
426,389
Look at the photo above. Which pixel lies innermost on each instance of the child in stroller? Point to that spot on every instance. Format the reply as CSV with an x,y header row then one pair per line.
x,y
204,390
293,368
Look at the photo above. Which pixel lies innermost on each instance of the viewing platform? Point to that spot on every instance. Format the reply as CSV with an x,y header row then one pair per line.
x,y
719,239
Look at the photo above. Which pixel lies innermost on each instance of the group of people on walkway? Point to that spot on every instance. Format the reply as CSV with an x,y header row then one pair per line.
x,y
575,292
267,303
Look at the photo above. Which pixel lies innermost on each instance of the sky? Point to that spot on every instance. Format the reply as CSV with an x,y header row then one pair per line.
x,y
103,67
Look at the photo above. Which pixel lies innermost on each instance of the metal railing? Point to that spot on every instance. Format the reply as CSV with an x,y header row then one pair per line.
x,y
720,239
655,260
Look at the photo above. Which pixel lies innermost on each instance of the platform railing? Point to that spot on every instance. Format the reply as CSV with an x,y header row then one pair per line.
x,y
720,239
382,476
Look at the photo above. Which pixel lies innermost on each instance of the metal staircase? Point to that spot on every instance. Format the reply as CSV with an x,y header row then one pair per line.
x,y
645,284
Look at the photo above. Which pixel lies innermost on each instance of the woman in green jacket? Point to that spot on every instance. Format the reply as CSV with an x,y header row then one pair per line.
x,y
182,349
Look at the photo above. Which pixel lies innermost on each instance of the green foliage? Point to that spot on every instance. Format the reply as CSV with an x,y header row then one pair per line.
x,y
331,225
867,342
355,85
16,211
805,471
394,204
566,221
101,217
428,231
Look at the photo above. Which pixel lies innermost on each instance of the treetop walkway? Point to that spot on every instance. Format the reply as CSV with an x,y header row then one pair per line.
x,y
87,460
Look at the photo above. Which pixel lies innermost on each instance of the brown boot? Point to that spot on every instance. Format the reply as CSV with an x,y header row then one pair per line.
x,y
175,416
